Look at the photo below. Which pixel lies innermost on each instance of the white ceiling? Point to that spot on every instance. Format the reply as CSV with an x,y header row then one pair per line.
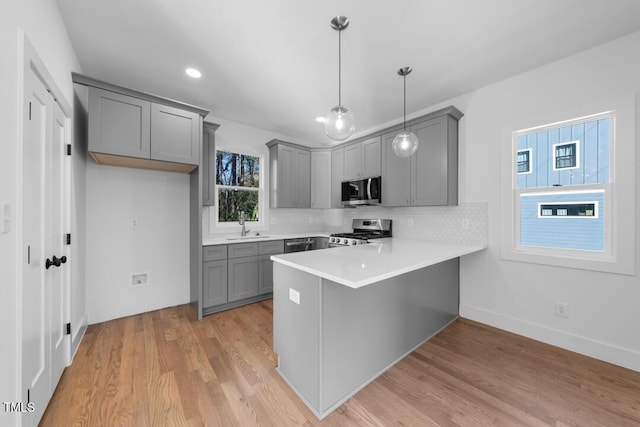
x,y
274,64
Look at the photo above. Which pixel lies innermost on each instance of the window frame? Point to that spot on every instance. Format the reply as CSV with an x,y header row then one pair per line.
x,y
554,150
261,224
529,160
621,199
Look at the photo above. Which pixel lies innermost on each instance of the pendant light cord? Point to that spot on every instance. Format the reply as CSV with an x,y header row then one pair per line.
x,y
404,112
340,67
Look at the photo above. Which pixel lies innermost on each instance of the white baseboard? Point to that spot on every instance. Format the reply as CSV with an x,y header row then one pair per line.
x,y
589,347
76,338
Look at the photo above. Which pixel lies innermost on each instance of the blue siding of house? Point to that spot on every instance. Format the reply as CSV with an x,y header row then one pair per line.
x,y
556,232
593,158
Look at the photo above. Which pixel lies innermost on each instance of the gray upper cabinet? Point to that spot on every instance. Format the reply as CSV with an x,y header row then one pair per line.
x,y
119,124
320,179
139,130
175,135
430,176
362,159
337,176
290,177
208,163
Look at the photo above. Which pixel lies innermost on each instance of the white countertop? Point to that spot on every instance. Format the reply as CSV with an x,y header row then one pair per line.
x,y
357,266
264,237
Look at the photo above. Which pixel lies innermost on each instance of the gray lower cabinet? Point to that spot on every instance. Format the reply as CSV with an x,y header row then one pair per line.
x,y
243,278
238,274
215,283
430,176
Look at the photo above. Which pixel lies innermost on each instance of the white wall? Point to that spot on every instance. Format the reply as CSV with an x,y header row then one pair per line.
x,y
159,246
520,297
41,22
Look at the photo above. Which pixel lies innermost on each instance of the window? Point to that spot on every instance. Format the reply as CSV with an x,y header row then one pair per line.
x,y
581,215
565,155
562,202
239,187
524,161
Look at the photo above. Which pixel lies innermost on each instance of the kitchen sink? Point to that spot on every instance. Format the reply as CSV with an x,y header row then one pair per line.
x,y
246,237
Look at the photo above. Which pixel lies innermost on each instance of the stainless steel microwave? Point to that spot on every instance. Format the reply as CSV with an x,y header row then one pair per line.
x,y
362,192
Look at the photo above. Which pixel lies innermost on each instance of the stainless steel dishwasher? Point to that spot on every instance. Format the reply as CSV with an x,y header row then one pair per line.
x,y
304,244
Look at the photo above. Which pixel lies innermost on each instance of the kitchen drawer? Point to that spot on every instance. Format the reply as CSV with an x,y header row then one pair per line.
x,y
214,253
273,247
242,250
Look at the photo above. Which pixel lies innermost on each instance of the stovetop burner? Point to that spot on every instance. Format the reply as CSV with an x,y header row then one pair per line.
x,y
363,230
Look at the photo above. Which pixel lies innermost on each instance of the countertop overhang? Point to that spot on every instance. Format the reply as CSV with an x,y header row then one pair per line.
x,y
357,266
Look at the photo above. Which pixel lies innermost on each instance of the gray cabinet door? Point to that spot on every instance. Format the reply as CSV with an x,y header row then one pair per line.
x,y
353,161
208,164
243,277
119,124
429,165
337,176
302,167
215,283
396,175
321,179
285,179
175,134
371,153
265,282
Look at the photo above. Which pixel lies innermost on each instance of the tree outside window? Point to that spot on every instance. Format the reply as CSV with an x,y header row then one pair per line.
x,y
238,186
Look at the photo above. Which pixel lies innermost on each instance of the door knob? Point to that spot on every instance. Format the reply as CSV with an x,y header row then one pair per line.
x,y
55,261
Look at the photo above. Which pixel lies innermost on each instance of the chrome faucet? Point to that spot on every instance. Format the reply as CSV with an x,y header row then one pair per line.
x,y
241,222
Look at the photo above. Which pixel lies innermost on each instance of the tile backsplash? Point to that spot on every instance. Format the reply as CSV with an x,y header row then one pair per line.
x,y
465,223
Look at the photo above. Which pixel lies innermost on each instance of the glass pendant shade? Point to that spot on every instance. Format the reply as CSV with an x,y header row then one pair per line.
x,y
405,144
339,124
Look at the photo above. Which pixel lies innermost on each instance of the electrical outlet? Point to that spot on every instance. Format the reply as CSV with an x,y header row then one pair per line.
x,y
135,223
562,309
294,296
464,223
139,279
410,222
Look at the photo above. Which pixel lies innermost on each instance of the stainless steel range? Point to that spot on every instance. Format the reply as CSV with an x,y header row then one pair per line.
x,y
363,231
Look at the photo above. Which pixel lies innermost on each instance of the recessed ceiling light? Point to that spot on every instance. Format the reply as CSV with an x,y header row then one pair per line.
x,y
192,72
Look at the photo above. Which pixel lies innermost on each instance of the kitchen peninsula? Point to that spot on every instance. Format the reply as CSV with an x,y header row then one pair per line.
x,y
343,316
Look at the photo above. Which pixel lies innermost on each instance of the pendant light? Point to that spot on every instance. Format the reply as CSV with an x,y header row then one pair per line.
x,y
339,124
406,142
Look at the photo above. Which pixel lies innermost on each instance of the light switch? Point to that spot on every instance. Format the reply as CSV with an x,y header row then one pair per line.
x,y
294,296
5,217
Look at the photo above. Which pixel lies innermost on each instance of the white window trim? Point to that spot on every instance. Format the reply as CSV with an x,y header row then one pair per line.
x,y
225,227
596,209
620,205
530,150
553,150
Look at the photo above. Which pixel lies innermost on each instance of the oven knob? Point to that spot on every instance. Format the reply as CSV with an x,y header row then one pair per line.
x,y
345,242
332,239
354,242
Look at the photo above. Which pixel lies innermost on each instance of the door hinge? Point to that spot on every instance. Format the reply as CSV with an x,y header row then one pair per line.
x,y
68,328
68,149
67,239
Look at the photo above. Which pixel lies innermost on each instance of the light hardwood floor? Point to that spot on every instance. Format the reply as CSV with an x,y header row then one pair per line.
x,y
165,368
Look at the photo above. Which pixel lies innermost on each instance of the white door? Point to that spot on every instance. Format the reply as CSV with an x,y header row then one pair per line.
x,y
43,293
54,277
